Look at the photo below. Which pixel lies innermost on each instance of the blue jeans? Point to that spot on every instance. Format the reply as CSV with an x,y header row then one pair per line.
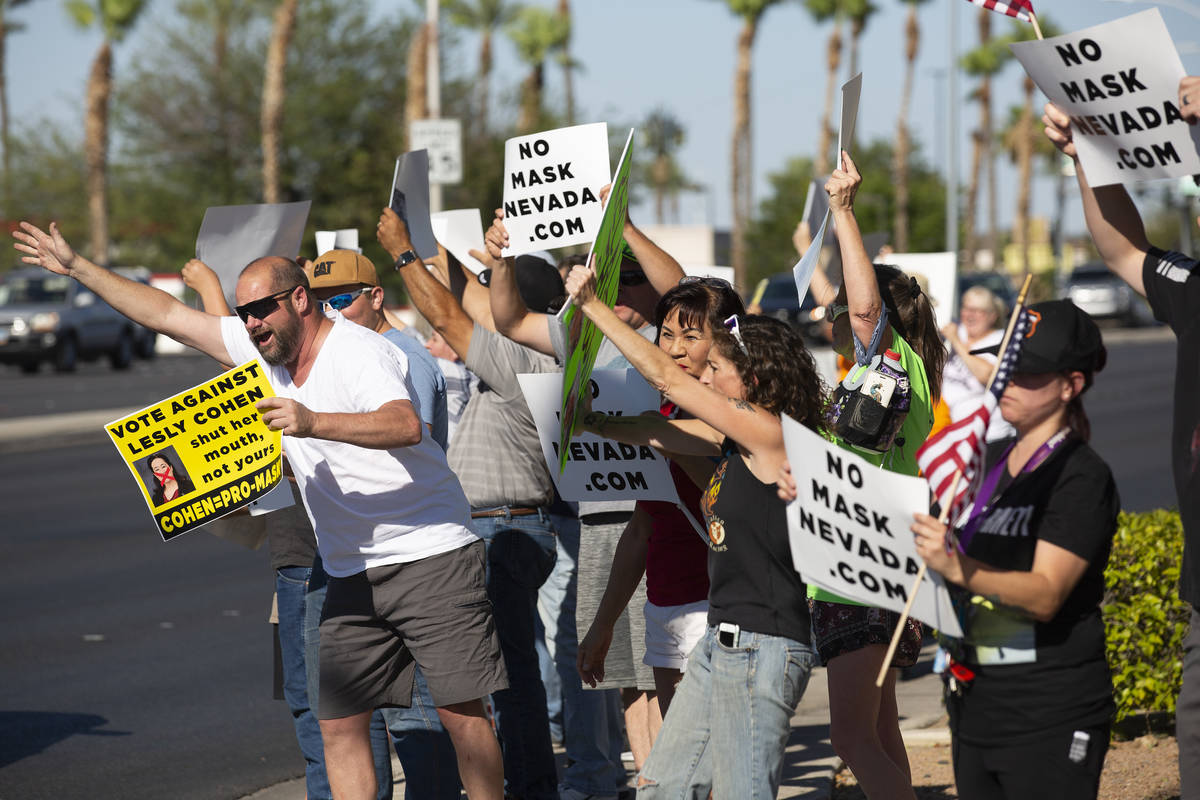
x,y
592,719
318,781
734,702
291,586
520,555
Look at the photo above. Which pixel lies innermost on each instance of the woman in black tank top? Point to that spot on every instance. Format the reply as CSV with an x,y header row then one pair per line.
x,y
748,672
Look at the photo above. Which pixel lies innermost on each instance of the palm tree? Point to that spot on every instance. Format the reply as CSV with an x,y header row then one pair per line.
x,y
983,62
6,27
664,136
568,64
912,30
859,11
274,94
536,33
114,18
822,10
751,12
484,16
416,95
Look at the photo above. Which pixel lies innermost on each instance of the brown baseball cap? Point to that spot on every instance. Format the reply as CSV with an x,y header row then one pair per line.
x,y
341,268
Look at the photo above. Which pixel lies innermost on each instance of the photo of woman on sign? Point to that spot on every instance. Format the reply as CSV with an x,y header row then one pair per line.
x,y
165,480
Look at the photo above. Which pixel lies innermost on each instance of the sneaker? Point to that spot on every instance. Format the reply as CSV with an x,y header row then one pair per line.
x,y
567,793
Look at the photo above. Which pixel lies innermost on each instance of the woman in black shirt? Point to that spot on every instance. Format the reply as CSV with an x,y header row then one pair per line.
x,y
1030,698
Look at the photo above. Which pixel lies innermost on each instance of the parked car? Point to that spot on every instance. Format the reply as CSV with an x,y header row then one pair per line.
x,y
48,317
1096,290
780,300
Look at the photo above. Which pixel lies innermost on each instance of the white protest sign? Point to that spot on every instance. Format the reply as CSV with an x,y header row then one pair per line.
x,y
816,205
410,200
341,239
460,231
598,468
552,183
803,271
939,271
1119,83
848,529
442,139
231,237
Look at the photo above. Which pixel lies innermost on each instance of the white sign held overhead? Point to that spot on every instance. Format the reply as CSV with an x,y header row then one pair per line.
x,y
410,200
597,468
851,91
1119,83
460,231
849,529
552,183
443,139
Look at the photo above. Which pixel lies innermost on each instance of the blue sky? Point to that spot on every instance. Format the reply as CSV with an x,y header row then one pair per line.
x,y
641,54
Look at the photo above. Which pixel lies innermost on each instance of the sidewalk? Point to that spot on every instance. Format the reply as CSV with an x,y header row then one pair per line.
x,y
809,764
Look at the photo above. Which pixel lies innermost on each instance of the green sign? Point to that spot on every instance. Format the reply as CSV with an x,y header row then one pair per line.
x,y
586,338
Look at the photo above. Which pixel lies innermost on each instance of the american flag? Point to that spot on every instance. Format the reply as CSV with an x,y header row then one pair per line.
x,y
959,447
1021,9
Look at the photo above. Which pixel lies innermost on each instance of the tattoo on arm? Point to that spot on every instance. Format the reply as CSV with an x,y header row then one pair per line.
x,y
742,405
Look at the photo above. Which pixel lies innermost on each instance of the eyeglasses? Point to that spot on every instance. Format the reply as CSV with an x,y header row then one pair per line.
x,y
631,278
705,280
260,308
835,310
344,300
735,331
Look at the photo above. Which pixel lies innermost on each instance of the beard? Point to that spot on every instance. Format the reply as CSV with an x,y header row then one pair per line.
x,y
284,341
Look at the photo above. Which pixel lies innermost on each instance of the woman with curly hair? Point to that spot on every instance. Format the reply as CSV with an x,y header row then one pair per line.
x,y
751,667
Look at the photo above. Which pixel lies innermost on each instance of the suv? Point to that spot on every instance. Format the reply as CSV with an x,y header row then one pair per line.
x,y
48,317
779,300
1103,295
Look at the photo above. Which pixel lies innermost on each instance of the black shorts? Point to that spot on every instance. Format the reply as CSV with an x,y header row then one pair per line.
x,y
434,612
1058,765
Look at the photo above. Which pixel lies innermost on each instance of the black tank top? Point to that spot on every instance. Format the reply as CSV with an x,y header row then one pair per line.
x,y
752,581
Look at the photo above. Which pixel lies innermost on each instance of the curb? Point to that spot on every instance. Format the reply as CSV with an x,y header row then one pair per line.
x,y
56,430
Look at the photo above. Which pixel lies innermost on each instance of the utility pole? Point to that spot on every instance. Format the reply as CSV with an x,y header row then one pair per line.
x,y
952,131
433,88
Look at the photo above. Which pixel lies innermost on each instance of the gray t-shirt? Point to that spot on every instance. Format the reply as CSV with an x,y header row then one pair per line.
x,y
496,452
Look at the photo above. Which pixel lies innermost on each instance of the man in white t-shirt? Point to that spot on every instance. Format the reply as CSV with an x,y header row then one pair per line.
x,y
406,574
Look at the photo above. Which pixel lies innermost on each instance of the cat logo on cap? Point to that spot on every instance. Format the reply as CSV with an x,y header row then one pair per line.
x,y
322,268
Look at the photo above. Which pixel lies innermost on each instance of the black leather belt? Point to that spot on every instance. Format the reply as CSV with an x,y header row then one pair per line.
x,y
506,511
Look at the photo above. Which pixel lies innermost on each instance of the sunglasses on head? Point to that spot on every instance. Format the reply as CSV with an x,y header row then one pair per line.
x,y
631,278
705,280
260,308
345,299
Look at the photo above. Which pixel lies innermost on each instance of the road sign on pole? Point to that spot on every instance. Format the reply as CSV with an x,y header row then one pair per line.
x,y
443,139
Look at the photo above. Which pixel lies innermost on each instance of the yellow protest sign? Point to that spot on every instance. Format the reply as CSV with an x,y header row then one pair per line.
x,y
203,453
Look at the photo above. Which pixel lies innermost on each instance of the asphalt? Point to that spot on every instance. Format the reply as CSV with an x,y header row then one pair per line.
x,y
809,764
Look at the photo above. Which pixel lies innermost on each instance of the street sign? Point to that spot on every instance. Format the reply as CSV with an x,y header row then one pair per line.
x,y
443,139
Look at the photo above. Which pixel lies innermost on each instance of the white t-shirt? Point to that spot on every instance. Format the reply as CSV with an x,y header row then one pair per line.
x,y
368,507
961,389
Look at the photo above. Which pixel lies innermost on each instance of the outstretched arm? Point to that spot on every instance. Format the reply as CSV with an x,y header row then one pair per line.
x,y
432,299
675,437
661,268
153,308
858,273
512,317
751,426
1112,218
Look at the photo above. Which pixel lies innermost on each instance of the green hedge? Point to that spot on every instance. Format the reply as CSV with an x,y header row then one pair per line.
x,y
1144,617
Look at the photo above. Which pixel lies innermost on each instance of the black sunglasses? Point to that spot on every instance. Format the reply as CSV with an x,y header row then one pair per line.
x,y
261,307
706,280
630,278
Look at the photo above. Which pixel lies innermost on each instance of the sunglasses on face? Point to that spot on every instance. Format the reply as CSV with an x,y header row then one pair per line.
x,y
631,278
262,307
345,299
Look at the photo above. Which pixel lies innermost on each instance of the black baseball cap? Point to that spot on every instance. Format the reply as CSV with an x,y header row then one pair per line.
x,y
538,281
1062,338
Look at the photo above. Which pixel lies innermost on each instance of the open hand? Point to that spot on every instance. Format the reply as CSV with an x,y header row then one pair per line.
x,y
47,250
593,649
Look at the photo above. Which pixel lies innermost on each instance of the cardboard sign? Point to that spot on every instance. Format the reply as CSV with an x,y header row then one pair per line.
x,y
460,231
232,236
605,258
848,528
442,139
598,468
939,270
410,200
1119,82
552,183
210,442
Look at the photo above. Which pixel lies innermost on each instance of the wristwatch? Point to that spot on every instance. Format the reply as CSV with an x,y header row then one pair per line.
x,y
405,258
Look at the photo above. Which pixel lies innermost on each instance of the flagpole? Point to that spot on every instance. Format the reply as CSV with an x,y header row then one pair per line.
x,y
948,498
1036,28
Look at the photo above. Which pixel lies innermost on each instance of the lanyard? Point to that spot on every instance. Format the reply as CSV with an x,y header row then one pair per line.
x,y
988,487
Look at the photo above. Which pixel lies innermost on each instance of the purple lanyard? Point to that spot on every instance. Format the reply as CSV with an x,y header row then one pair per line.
x,y
988,487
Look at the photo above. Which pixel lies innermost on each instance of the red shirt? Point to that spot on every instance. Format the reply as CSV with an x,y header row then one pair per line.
x,y
676,556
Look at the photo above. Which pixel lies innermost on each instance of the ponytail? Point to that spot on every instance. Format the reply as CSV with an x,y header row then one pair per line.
x,y
911,313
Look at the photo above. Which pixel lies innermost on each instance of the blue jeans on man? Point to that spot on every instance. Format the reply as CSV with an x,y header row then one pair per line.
x,y
521,550
593,720
423,747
